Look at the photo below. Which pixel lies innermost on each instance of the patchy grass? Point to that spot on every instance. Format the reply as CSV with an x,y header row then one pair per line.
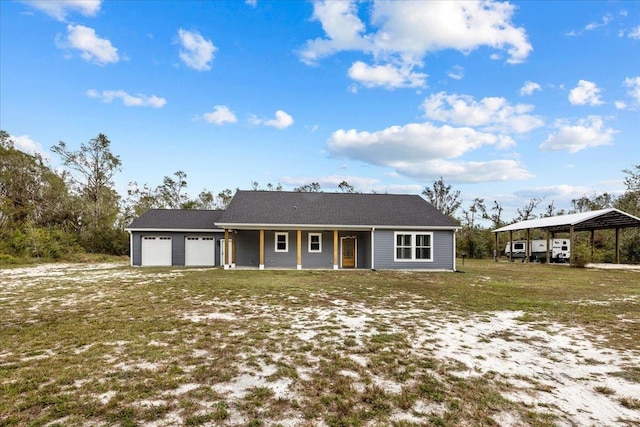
x,y
501,344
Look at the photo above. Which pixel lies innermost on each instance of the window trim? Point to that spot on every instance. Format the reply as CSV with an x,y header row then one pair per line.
x,y
286,241
414,246
314,251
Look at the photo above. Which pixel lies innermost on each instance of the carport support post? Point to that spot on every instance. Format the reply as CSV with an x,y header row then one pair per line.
x,y
226,249
527,249
593,243
617,245
299,249
261,266
510,245
548,248
335,250
497,248
572,237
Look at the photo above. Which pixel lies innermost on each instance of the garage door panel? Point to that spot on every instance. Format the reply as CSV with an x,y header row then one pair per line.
x,y
200,251
156,251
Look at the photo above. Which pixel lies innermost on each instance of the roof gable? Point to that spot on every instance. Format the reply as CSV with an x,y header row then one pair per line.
x,y
177,219
346,209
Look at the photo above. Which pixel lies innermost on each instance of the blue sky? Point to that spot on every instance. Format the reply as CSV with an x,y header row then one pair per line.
x,y
505,100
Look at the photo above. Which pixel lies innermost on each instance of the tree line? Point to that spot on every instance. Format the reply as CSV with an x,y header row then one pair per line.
x,y
59,214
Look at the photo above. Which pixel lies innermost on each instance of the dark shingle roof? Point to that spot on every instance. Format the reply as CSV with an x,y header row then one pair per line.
x,y
177,219
283,207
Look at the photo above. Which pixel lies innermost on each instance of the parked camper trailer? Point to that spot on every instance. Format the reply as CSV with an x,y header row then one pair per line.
x,y
560,249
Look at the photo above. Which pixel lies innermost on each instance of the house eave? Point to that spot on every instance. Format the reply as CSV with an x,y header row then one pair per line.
x,y
175,230
351,227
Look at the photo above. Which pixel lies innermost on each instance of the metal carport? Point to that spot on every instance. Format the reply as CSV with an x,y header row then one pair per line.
x,y
585,221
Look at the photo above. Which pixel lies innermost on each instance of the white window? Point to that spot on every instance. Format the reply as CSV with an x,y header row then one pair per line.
x,y
315,242
282,242
413,246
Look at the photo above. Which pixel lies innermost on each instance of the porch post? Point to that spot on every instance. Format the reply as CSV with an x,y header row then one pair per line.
x,y
226,249
233,250
261,266
497,250
299,249
593,243
527,249
336,264
373,249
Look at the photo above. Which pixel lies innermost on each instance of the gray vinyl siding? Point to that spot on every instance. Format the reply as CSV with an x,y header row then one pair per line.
x,y
442,248
177,245
322,259
279,259
247,248
136,248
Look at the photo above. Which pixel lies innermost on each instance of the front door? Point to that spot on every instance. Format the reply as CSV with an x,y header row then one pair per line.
x,y
348,252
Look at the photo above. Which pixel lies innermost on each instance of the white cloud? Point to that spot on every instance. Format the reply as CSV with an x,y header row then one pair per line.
x,y
560,195
388,76
92,48
27,145
456,73
634,33
593,25
424,150
470,172
282,120
586,93
59,9
633,84
251,3
342,27
138,100
404,32
529,87
220,115
492,113
620,105
585,133
421,27
197,52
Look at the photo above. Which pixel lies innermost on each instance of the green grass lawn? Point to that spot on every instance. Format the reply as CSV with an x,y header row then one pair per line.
x,y
104,345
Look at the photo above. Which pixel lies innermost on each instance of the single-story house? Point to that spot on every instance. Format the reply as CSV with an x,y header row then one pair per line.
x,y
295,230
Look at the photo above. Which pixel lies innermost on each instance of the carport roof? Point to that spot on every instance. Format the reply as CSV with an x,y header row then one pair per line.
x,y
584,221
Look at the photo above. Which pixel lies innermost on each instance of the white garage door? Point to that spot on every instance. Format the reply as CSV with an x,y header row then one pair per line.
x,y
200,251
156,250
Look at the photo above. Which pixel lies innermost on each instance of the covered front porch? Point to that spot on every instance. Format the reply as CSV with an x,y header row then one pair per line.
x,y
308,248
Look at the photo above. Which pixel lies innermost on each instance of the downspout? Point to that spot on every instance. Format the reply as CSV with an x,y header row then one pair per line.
x,y
373,249
454,249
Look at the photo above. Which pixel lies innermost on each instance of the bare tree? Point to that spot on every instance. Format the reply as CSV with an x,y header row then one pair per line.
x,y
345,187
314,187
496,216
443,198
172,192
526,213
